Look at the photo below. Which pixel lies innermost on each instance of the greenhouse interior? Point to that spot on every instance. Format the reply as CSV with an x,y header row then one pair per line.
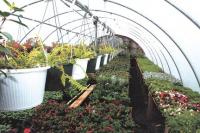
x,y
99,66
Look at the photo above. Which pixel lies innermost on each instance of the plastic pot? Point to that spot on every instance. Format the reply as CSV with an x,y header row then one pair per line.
x,y
102,60
91,65
98,62
109,57
22,88
79,69
105,59
53,81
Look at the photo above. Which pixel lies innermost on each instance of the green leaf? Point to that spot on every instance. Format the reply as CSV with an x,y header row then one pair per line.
x,y
7,3
18,9
5,50
20,23
7,35
4,14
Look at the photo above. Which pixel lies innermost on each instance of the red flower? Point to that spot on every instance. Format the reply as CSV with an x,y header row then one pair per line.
x,y
27,130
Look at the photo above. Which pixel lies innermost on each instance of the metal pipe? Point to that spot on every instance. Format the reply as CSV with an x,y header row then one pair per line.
x,y
183,53
149,33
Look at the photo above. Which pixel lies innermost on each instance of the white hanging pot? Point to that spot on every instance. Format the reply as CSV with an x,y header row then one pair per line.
x,y
98,62
105,59
22,88
79,69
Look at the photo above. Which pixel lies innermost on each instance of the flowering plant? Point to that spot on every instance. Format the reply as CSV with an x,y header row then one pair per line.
x,y
24,56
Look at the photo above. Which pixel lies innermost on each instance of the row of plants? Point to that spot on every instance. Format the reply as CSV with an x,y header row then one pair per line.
x,y
146,65
31,58
19,121
179,105
24,66
106,110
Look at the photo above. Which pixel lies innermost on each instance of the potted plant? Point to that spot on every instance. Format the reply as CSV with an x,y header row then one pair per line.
x,y
105,50
59,55
60,75
81,55
22,76
23,72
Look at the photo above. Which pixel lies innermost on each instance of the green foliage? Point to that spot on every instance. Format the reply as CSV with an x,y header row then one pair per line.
x,y
165,85
106,110
25,59
179,119
60,55
74,83
6,14
82,51
106,49
118,67
57,95
186,122
146,65
7,118
4,128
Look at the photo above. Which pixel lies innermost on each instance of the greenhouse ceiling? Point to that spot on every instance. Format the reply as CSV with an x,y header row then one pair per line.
x,y
167,29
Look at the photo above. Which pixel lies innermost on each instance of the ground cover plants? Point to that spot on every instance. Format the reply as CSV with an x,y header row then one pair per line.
x,y
179,105
107,109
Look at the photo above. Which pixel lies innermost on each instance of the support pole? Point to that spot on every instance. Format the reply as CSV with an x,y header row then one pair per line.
x,y
96,41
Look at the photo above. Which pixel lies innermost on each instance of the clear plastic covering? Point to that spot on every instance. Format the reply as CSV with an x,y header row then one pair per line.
x,y
168,31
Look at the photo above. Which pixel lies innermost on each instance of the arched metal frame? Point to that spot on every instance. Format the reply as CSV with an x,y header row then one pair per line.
x,y
170,37
149,33
182,52
183,13
44,22
166,62
59,27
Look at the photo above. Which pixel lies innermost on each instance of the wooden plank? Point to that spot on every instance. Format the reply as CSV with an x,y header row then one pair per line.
x,y
80,100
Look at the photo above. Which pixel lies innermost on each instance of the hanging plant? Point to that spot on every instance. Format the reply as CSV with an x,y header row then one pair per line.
x,y
60,54
60,57
82,51
106,49
23,57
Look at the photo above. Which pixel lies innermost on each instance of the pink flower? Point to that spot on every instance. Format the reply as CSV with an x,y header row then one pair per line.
x,y
27,130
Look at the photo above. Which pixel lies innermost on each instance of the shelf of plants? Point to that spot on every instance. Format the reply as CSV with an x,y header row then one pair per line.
x,y
179,105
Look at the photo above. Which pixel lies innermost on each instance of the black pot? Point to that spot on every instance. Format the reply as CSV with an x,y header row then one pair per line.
x,y
53,80
91,65
109,56
102,60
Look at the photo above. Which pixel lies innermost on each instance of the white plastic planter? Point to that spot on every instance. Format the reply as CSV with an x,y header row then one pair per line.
x,y
79,69
22,88
98,62
105,59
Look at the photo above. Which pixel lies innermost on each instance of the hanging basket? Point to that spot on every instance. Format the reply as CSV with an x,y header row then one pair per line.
x,y
22,88
53,81
91,65
79,69
105,59
98,62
